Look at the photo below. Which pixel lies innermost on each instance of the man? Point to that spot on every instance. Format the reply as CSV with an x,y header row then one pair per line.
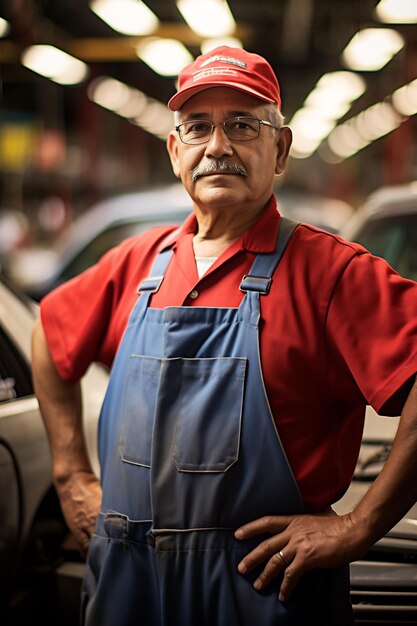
x,y
239,380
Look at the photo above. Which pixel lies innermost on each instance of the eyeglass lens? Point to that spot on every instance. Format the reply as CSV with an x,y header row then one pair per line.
x,y
236,129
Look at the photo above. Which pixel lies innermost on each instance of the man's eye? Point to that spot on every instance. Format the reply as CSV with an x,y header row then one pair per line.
x,y
198,127
238,125
243,123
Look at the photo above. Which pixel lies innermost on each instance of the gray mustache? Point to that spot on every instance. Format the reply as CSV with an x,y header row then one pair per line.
x,y
217,167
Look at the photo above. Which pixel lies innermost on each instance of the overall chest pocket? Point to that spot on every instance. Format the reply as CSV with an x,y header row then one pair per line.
x,y
209,414
190,409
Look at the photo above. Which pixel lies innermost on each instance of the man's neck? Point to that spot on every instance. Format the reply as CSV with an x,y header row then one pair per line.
x,y
217,230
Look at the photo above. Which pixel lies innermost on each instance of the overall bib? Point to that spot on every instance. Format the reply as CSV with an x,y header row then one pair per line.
x,y
189,451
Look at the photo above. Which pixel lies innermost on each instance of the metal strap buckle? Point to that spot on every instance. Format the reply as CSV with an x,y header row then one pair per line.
x,y
152,284
261,284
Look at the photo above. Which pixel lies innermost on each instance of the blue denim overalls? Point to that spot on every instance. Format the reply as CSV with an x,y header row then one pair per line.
x,y
189,452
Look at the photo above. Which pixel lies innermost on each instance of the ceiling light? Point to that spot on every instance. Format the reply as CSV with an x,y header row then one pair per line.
x,y
344,141
130,17
370,49
4,27
208,18
117,96
311,124
397,11
54,64
208,45
361,130
309,127
329,109
132,104
166,57
156,118
376,121
404,99
339,86
330,100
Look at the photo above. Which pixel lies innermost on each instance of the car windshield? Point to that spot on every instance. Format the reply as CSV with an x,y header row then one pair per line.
x,y
95,248
106,239
395,239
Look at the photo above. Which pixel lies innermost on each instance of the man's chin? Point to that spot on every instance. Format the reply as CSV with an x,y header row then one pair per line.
x,y
216,192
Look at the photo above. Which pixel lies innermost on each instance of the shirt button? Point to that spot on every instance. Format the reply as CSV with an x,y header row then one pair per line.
x,y
194,294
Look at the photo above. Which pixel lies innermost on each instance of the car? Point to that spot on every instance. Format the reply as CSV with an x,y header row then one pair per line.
x,y
37,271
104,225
386,224
384,582
36,551
330,214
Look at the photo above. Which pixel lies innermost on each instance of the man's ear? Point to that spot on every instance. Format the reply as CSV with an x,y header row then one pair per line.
x,y
284,141
172,147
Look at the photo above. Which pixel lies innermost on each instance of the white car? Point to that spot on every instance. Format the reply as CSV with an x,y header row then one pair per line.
x,y
386,225
35,546
37,271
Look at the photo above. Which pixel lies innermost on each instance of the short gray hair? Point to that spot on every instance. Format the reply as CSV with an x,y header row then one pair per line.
x,y
274,115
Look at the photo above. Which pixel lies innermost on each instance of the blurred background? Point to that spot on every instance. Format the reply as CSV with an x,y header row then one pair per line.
x,y
84,86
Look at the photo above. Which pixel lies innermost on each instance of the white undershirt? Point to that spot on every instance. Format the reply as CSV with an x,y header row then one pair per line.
x,y
203,263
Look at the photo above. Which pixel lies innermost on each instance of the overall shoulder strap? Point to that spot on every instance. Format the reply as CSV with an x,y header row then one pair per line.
x,y
153,282
260,275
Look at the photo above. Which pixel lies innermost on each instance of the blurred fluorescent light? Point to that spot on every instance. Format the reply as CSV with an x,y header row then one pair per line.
x,y
117,96
54,64
4,27
156,118
303,149
130,17
165,56
329,109
404,99
397,11
214,42
311,124
372,123
345,141
132,104
340,86
330,100
208,18
376,121
309,129
359,131
370,49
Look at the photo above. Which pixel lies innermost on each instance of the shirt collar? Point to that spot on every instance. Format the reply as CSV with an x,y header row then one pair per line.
x,y
260,237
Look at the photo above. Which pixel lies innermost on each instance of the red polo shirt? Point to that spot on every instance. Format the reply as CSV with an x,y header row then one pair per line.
x,y
338,331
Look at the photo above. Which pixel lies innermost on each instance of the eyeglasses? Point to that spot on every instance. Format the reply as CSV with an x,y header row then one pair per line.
x,y
236,129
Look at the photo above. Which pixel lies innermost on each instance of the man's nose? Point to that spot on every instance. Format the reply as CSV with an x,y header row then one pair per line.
x,y
219,143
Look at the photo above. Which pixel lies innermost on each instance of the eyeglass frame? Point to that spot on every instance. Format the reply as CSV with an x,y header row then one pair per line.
x,y
213,126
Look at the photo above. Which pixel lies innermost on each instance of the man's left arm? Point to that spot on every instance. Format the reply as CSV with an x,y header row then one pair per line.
x,y
328,540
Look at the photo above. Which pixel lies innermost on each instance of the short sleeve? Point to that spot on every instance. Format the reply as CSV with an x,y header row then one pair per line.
x,y
85,318
372,327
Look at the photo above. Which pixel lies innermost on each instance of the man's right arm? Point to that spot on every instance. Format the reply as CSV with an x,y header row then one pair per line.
x,y
60,403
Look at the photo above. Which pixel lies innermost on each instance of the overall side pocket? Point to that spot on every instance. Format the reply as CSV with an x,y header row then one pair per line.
x,y
138,412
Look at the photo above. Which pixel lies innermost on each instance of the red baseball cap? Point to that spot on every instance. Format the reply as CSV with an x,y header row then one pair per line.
x,y
227,67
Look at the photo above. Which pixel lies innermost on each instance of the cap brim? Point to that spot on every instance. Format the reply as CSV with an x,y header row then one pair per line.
x,y
176,102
